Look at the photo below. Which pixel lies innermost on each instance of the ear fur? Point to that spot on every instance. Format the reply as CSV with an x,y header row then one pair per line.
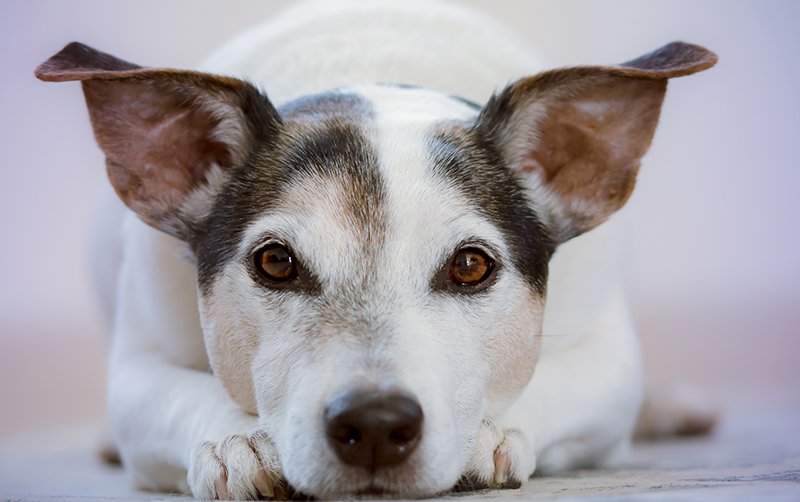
x,y
576,135
169,136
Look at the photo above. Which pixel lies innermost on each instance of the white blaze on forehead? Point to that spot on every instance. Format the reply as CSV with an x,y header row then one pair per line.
x,y
424,212
401,123
411,105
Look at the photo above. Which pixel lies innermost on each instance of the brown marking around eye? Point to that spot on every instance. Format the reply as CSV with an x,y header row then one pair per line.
x,y
473,166
512,353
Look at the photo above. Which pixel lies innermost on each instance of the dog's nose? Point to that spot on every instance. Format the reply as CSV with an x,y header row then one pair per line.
x,y
373,428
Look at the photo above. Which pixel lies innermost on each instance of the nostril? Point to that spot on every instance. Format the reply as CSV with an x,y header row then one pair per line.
x,y
403,435
373,428
345,434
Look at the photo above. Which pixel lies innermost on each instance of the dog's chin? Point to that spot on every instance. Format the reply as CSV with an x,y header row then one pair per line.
x,y
373,487
374,491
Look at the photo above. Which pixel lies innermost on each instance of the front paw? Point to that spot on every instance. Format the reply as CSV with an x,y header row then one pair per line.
x,y
502,459
241,467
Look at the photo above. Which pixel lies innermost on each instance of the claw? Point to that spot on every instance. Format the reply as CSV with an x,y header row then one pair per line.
x,y
502,467
502,459
221,487
241,467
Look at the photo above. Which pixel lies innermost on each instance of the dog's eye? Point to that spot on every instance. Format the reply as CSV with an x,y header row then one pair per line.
x,y
470,266
276,263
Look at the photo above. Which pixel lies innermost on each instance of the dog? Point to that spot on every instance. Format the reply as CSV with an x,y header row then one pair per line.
x,y
339,290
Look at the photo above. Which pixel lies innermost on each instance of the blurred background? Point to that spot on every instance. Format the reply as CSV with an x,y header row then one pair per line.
x,y
715,273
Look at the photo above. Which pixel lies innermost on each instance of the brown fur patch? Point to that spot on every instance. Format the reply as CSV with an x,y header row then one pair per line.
x,y
583,130
464,158
592,156
157,149
671,410
162,129
512,354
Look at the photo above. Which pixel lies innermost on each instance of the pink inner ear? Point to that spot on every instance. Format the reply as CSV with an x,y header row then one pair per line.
x,y
158,147
590,144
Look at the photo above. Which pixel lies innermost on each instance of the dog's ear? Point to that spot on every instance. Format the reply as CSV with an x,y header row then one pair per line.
x,y
576,135
169,136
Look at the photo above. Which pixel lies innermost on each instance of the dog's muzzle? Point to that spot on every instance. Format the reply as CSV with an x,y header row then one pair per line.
x,y
372,429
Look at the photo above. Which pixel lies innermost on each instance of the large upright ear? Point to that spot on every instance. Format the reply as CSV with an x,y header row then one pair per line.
x,y
169,136
576,135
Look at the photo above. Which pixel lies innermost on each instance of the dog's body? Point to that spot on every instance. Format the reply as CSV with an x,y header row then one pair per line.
x,y
401,181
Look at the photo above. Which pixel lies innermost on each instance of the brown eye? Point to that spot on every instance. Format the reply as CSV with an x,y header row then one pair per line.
x,y
275,263
470,266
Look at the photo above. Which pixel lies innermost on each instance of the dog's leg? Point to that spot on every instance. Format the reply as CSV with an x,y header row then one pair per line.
x,y
503,458
672,410
581,405
170,420
164,404
241,467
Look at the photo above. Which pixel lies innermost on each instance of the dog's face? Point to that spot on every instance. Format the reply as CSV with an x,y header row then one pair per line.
x,y
382,249
372,262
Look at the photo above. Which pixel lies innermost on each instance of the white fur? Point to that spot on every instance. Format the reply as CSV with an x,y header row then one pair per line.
x,y
165,405
416,334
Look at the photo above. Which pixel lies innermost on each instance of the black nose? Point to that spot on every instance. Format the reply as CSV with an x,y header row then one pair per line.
x,y
373,428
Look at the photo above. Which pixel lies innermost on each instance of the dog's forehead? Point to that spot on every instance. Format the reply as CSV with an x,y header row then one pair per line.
x,y
362,200
393,105
437,163
358,172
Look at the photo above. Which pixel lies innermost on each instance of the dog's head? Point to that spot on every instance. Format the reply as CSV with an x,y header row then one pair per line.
x,y
372,262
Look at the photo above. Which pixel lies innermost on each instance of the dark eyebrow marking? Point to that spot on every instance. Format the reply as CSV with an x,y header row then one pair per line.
x,y
321,136
472,164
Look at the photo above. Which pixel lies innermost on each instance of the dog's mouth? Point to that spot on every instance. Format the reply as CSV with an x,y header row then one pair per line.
x,y
370,492
376,492
373,491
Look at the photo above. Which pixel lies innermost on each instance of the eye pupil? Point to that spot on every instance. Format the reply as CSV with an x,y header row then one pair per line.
x,y
276,263
470,267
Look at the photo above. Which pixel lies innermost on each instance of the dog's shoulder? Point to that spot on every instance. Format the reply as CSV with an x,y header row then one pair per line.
x,y
155,307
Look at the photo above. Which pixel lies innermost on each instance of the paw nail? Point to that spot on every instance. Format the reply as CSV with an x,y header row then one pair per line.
x,y
502,467
221,487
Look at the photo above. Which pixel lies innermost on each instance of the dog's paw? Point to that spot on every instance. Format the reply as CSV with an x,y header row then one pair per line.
x,y
241,467
675,410
502,459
